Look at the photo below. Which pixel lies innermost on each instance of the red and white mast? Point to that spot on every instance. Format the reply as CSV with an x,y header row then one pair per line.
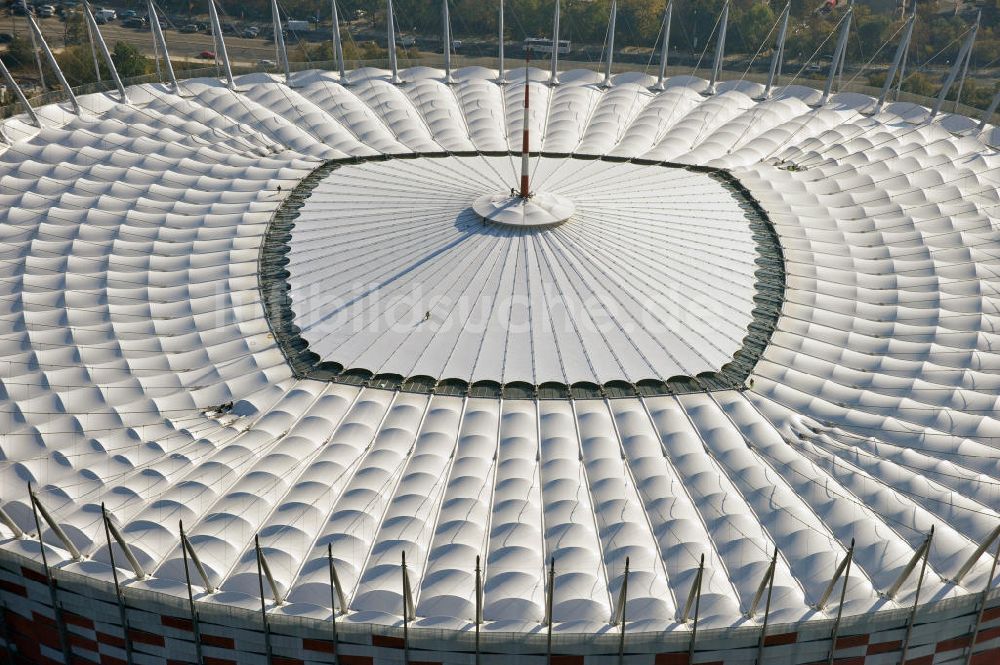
x,y
525,190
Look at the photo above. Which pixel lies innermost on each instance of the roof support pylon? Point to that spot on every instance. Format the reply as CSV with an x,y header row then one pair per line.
x,y
779,52
720,49
408,610
964,52
988,113
12,84
554,73
767,612
917,555
965,67
52,61
390,21
697,607
767,579
982,607
983,546
38,59
262,564
220,44
122,614
186,544
278,600
695,591
617,616
620,614
904,45
336,592
338,46
137,568
610,44
53,593
916,597
479,604
105,53
194,612
664,46
550,593
154,26
56,529
840,607
279,42
838,53
502,74
841,567
446,38
93,51
6,520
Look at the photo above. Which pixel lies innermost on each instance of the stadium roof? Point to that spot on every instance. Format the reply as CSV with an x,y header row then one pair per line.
x,y
141,371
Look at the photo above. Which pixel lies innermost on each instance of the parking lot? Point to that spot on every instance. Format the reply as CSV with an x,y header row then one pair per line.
x,y
182,45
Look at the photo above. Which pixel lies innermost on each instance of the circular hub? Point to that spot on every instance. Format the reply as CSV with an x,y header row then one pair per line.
x,y
541,210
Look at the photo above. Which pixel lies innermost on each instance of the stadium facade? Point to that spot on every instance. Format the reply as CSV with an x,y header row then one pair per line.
x,y
292,372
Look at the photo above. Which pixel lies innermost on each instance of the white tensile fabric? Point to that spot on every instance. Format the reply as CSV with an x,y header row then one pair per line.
x,y
393,272
131,311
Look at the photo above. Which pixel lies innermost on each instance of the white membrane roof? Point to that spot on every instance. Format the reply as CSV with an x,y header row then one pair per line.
x,y
652,276
131,316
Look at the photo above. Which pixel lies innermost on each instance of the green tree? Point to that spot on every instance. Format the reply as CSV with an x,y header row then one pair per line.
x,y
77,65
19,53
129,61
75,29
755,25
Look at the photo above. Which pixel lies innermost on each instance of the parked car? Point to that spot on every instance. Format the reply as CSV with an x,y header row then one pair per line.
x,y
266,64
251,32
6,38
207,55
135,22
128,13
46,11
189,28
108,14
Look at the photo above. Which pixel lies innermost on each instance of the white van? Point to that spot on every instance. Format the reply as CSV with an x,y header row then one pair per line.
x,y
106,14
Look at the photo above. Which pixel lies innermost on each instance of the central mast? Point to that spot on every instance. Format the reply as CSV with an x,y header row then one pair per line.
x,y
525,190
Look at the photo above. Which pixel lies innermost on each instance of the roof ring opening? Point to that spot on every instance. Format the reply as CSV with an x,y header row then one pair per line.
x,y
356,376
457,387
680,383
651,387
486,389
620,389
586,390
421,383
553,390
386,381
519,390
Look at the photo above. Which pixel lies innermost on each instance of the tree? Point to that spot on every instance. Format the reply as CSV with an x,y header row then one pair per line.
x,y
77,65
754,26
75,29
19,53
129,61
